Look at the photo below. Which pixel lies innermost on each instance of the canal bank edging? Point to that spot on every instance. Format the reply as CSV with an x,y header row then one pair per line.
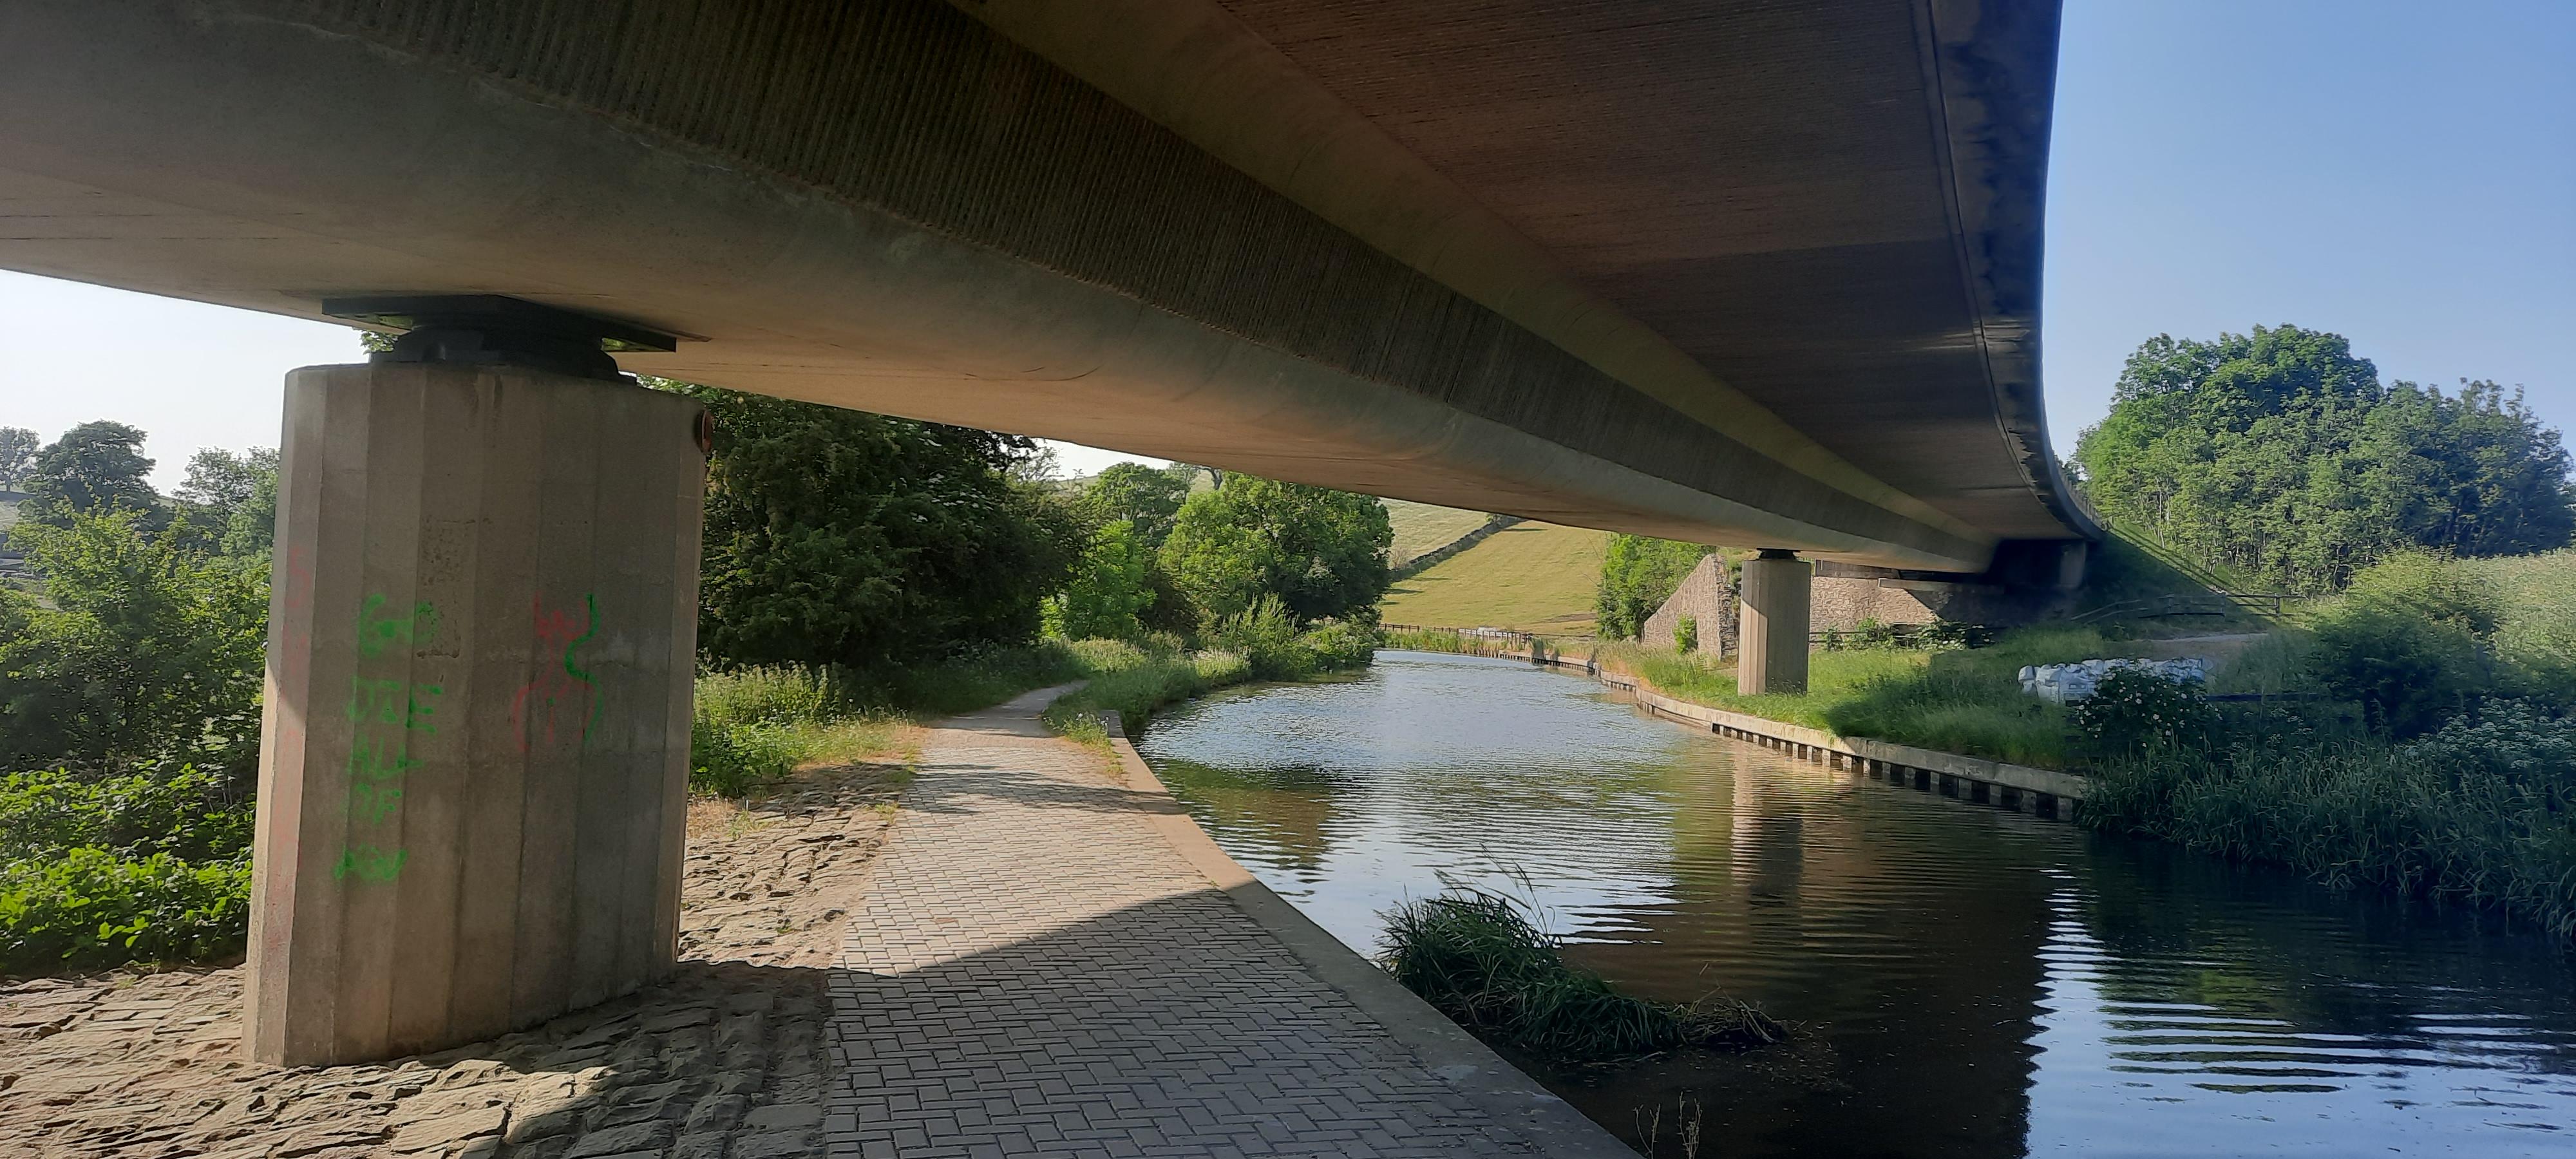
x,y
1457,1057
2044,792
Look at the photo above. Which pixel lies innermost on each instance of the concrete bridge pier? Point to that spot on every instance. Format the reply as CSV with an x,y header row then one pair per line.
x,y
474,760
1773,623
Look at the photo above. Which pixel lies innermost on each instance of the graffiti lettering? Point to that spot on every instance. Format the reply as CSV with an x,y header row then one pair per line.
x,y
393,702
368,863
379,632
548,708
386,712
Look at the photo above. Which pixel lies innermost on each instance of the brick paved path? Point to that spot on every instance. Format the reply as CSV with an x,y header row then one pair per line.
x,y
1032,970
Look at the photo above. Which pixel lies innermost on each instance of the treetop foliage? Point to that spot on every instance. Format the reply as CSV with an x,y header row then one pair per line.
x,y
2281,454
1321,552
1146,499
843,537
1638,573
96,466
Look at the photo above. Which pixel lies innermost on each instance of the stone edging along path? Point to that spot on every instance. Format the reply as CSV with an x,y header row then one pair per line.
x,y
2046,792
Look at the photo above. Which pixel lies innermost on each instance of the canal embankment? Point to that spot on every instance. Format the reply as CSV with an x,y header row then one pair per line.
x,y
2042,791
1961,981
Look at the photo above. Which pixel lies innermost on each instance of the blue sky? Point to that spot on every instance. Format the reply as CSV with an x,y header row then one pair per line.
x,y
2403,174
2400,174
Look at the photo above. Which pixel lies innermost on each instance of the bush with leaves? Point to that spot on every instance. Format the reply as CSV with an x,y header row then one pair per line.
x,y
148,650
1319,554
1265,635
148,864
1110,589
733,759
1638,573
2132,711
178,809
91,907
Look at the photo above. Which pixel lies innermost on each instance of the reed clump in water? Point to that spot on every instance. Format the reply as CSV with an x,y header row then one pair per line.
x,y
1478,958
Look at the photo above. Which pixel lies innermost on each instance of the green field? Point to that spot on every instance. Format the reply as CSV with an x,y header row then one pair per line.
x,y
1421,528
1531,577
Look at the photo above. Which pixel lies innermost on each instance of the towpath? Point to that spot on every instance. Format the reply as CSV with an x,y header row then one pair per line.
x,y
1034,969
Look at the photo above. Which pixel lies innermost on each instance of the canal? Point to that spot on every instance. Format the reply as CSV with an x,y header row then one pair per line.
x,y
1965,981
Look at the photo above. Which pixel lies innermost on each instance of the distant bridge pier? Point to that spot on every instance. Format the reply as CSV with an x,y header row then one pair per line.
x,y
1773,623
474,761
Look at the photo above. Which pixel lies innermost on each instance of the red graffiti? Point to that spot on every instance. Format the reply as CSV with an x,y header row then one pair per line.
x,y
560,704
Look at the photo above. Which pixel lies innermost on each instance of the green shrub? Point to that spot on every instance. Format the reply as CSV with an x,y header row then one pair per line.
x,y
90,907
2132,712
2522,745
2409,674
775,693
731,760
1686,636
1265,635
180,810
1477,958
1333,645
141,648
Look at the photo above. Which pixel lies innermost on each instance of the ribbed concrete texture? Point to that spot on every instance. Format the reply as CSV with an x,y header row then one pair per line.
x,y
1773,631
1448,251
473,769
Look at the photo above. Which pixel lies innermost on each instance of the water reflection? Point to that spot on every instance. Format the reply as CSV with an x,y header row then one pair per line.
x,y
1973,982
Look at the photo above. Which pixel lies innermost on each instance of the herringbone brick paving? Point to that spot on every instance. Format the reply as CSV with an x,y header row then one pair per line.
x,y
1033,971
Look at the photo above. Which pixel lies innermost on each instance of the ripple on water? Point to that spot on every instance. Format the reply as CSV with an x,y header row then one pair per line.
x,y
1969,982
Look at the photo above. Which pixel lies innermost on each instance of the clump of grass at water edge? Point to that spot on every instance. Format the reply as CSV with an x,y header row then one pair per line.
x,y
1480,959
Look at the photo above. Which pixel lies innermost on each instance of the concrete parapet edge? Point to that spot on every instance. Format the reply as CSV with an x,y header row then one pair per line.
x,y
2068,787
1447,1050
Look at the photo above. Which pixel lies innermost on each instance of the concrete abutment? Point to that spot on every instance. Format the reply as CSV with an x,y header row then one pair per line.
x,y
474,760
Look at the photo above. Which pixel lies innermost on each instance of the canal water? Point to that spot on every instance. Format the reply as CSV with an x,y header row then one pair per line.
x,y
1964,981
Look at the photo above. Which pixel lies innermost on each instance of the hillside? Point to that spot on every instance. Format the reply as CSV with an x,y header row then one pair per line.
x,y
1421,528
1533,577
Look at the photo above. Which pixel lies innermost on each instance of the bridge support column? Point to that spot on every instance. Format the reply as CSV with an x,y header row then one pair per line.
x,y
474,761
1772,622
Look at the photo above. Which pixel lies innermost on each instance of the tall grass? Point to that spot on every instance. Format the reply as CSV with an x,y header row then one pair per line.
x,y
753,726
2482,813
1477,958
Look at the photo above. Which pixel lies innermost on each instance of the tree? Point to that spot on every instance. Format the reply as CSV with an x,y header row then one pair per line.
x,y
17,453
1143,497
1322,552
2280,454
1110,588
229,502
841,537
96,466
147,650
1638,573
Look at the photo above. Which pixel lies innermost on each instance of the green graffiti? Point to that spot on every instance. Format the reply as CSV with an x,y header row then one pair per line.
x,y
371,761
377,633
371,804
373,701
368,863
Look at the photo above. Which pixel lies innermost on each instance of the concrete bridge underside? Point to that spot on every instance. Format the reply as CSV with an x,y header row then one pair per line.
x,y
1748,273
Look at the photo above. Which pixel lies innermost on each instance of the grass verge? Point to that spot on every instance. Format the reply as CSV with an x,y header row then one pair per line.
x,y
1965,701
1477,958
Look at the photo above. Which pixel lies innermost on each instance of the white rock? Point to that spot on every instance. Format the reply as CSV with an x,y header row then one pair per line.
x,y
2068,683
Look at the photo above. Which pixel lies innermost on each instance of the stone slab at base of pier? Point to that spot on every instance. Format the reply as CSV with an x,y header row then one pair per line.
x,y
474,760
1772,621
